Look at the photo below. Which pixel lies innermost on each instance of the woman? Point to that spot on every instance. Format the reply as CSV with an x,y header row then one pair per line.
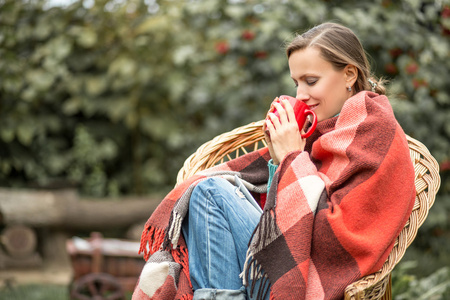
x,y
335,201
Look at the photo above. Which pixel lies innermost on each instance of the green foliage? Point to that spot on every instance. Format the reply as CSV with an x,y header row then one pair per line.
x,y
433,287
113,96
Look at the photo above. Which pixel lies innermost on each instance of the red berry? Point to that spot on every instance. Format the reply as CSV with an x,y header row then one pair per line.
x,y
391,68
222,47
248,35
445,12
386,3
396,52
261,54
412,68
445,165
242,60
417,83
445,31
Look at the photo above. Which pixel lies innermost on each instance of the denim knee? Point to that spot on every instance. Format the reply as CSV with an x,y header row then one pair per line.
x,y
213,183
210,184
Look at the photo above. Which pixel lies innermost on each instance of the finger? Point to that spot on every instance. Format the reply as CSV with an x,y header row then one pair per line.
x,y
272,107
302,132
282,113
289,110
270,129
274,122
266,130
276,100
267,137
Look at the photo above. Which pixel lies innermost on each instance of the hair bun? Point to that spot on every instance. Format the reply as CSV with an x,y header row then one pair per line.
x,y
376,86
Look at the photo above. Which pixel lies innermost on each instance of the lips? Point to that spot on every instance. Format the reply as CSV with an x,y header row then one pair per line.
x,y
313,106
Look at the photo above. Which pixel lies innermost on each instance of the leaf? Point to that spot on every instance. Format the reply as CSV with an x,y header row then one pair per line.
x,y
118,108
39,79
182,54
152,23
87,37
42,30
151,171
29,94
59,48
7,134
72,106
131,119
122,66
441,49
95,85
108,149
155,127
25,132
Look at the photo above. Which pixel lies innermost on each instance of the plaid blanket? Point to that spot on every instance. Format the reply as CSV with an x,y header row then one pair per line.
x,y
331,215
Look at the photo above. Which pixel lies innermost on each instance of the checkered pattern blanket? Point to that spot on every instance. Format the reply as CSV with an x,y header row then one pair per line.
x,y
331,216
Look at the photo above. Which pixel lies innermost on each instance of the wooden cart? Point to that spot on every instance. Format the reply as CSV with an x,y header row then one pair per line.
x,y
104,269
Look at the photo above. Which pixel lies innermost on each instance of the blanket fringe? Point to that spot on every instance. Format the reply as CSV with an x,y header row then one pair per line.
x,y
254,272
174,231
263,288
264,234
266,231
181,256
151,240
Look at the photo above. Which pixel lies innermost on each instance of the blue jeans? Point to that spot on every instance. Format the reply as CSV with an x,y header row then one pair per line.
x,y
217,232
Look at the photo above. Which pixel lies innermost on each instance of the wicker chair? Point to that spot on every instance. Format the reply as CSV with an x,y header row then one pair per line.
x,y
248,138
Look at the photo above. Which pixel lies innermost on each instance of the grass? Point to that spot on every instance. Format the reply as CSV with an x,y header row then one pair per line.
x,y
38,292
35,292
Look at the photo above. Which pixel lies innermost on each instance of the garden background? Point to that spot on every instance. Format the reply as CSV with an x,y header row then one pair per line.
x,y
111,96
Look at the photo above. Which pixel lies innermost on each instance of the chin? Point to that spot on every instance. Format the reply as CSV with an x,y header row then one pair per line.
x,y
320,118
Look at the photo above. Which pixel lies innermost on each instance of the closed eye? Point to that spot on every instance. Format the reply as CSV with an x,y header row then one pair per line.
x,y
312,81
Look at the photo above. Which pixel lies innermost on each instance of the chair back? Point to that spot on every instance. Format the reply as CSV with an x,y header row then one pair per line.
x,y
250,137
224,147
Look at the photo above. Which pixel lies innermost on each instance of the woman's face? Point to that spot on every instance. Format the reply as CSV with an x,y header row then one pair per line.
x,y
318,84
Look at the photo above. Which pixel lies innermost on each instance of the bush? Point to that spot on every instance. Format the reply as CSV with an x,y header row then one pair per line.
x,y
112,97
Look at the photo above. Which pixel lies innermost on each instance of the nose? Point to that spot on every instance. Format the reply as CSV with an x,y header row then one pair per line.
x,y
302,94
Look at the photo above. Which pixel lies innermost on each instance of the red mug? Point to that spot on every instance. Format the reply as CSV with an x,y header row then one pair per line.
x,y
301,111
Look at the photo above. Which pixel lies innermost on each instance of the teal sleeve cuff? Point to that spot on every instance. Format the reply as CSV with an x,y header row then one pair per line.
x,y
272,169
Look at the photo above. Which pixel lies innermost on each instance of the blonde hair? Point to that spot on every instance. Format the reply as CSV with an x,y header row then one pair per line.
x,y
341,47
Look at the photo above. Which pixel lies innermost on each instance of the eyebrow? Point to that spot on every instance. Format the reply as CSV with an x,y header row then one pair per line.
x,y
305,75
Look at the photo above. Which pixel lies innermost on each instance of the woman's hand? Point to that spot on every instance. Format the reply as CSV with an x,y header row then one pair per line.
x,y
282,134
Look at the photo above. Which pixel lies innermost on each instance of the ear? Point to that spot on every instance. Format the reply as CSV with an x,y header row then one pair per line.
x,y
351,74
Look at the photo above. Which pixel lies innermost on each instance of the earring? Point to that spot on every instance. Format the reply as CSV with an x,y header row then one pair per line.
x,y
349,89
